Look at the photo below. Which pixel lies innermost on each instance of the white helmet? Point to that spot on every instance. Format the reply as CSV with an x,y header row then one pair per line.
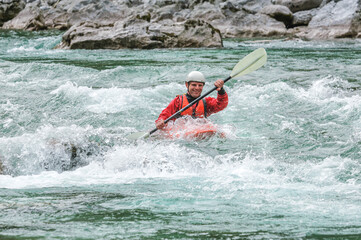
x,y
196,76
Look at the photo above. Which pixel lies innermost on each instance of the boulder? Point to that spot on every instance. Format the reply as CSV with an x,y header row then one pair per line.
x,y
30,18
279,12
253,7
138,33
229,6
207,12
9,9
257,25
66,13
167,23
244,19
356,23
298,5
303,18
334,20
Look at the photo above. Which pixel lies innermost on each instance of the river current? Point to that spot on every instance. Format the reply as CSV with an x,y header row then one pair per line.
x,y
289,166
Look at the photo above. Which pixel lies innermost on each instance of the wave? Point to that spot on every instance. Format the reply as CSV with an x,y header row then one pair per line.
x,y
127,163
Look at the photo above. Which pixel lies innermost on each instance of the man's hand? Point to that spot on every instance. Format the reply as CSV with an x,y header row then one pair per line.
x,y
159,124
219,84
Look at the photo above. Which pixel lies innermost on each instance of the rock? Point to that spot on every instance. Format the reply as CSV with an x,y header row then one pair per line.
x,y
356,23
249,21
138,33
207,12
303,18
198,33
156,23
254,6
68,13
279,12
133,3
9,9
324,2
299,5
258,25
166,12
339,13
65,13
31,18
334,20
229,8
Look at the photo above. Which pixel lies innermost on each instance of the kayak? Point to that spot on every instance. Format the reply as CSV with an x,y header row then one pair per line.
x,y
191,129
192,132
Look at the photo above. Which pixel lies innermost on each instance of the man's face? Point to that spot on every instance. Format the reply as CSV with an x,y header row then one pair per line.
x,y
195,88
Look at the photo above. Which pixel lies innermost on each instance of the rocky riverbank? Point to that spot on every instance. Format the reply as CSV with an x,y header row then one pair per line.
x,y
116,24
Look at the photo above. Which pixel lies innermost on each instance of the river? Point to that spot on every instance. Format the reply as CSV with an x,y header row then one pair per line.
x,y
289,166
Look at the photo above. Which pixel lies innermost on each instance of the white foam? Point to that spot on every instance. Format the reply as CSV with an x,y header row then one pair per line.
x,y
112,100
109,100
71,89
227,174
21,49
49,147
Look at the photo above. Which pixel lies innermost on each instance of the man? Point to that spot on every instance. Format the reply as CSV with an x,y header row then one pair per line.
x,y
203,108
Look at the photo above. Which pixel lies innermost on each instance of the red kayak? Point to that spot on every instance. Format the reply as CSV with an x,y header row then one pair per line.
x,y
193,129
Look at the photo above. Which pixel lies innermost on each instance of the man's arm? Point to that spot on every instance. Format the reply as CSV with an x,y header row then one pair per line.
x,y
216,105
172,108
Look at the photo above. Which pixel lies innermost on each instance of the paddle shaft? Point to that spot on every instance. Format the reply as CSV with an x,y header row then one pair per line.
x,y
189,105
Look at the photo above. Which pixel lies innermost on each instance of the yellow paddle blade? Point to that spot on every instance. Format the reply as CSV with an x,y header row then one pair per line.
x,y
138,135
249,63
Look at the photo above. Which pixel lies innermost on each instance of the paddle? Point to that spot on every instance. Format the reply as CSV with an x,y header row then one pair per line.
x,y
249,63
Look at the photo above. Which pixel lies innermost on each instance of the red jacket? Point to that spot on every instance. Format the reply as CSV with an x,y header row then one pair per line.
x,y
213,105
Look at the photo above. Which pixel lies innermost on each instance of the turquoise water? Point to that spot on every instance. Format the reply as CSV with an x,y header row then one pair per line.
x,y
288,168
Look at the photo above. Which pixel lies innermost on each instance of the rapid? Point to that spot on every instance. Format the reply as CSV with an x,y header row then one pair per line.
x,y
289,166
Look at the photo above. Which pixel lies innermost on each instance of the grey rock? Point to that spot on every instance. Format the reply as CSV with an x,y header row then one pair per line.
x,y
8,1
299,5
155,23
356,23
206,11
254,6
229,5
279,12
9,9
137,33
258,25
339,13
303,18
331,19
31,18
334,20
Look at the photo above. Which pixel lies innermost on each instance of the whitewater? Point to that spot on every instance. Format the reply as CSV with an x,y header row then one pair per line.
x,y
288,168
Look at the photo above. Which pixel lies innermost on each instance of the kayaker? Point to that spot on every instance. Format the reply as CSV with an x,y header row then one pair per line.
x,y
195,82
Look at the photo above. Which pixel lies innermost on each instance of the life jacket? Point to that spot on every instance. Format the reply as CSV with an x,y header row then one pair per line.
x,y
198,110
